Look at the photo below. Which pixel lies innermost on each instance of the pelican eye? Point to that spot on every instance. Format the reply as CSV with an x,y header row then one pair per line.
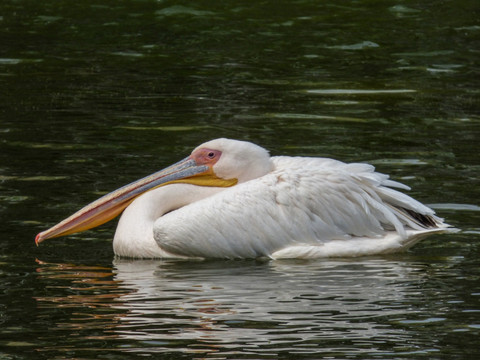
x,y
207,156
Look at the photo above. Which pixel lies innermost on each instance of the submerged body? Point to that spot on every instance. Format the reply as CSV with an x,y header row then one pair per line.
x,y
277,207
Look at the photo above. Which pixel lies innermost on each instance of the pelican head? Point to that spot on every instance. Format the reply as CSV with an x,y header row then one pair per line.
x,y
217,163
235,159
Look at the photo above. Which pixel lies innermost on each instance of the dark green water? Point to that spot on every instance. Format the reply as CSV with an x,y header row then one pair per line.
x,y
95,94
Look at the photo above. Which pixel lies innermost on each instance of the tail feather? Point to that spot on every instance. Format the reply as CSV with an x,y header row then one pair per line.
x,y
410,212
425,221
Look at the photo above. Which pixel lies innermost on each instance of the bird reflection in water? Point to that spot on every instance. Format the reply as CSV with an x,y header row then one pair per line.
x,y
169,306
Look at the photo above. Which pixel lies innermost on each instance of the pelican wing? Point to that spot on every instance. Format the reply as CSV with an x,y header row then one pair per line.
x,y
303,206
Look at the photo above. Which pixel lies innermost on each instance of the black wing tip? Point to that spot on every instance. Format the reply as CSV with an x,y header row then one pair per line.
x,y
424,220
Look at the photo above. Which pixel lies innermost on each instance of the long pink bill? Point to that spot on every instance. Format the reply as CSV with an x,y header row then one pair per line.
x,y
109,206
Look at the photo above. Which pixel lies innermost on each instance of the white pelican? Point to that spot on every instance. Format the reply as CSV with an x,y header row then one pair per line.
x,y
230,199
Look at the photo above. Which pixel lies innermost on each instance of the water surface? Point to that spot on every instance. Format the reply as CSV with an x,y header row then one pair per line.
x,y
96,94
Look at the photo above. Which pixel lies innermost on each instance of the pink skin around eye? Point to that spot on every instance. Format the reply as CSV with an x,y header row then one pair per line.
x,y
206,156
